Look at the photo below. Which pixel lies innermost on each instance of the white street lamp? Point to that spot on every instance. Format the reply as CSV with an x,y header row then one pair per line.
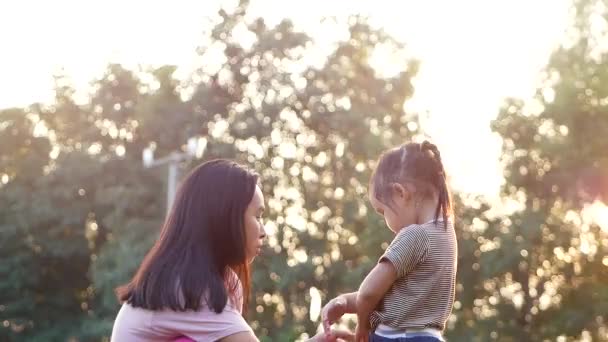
x,y
195,148
148,156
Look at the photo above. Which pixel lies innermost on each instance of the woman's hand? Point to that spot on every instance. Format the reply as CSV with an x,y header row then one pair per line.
x,y
332,312
335,335
362,332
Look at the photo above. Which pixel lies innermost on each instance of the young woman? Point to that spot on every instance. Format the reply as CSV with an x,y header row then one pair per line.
x,y
193,282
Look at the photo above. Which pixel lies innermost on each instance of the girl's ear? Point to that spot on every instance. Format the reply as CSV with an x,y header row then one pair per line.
x,y
401,191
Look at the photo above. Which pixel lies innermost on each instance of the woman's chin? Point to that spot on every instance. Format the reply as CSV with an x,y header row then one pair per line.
x,y
254,255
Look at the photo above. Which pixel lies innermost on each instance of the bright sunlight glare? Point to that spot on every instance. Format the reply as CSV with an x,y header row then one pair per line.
x,y
474,54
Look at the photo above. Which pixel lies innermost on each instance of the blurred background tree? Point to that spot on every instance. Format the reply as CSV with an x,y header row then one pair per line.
x,y
79,210
541,270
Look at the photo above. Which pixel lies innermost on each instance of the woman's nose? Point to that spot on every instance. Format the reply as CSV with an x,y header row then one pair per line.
x,y
263,232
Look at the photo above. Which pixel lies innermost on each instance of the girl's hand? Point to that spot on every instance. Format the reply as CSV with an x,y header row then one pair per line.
x,y
332,312
362,332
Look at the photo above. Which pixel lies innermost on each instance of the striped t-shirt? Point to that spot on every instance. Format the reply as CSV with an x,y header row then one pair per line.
x,y
424,257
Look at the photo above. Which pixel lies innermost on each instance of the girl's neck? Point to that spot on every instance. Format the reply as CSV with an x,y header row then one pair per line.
x,y
426,212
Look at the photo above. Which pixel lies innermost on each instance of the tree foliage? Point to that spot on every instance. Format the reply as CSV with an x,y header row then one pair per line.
x,y
78,210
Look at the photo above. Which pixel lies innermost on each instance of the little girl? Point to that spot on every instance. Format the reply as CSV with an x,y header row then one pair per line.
x,y
409,294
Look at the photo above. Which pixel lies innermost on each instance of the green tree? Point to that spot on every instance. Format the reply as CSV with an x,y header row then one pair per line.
x,y
540,272
78,210
314,134
73,187
43,246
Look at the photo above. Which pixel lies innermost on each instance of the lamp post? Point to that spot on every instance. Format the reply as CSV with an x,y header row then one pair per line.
x,y
194,149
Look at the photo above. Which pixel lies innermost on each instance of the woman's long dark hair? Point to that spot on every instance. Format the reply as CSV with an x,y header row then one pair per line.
x,y
201,244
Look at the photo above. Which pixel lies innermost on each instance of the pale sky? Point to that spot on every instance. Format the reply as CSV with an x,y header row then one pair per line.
x,y
473,53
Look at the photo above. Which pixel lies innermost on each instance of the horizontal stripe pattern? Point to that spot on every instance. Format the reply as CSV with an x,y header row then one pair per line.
x,y
425,259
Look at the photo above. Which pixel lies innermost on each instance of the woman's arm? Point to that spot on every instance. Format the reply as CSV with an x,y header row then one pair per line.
x,y
371,291
349,301
245,336
337,307
340,335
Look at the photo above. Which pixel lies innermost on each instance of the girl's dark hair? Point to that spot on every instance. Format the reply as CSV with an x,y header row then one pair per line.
x,y
415,163
201,244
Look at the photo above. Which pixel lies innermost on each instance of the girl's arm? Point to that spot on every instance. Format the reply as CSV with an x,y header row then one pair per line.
x,y
371,291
